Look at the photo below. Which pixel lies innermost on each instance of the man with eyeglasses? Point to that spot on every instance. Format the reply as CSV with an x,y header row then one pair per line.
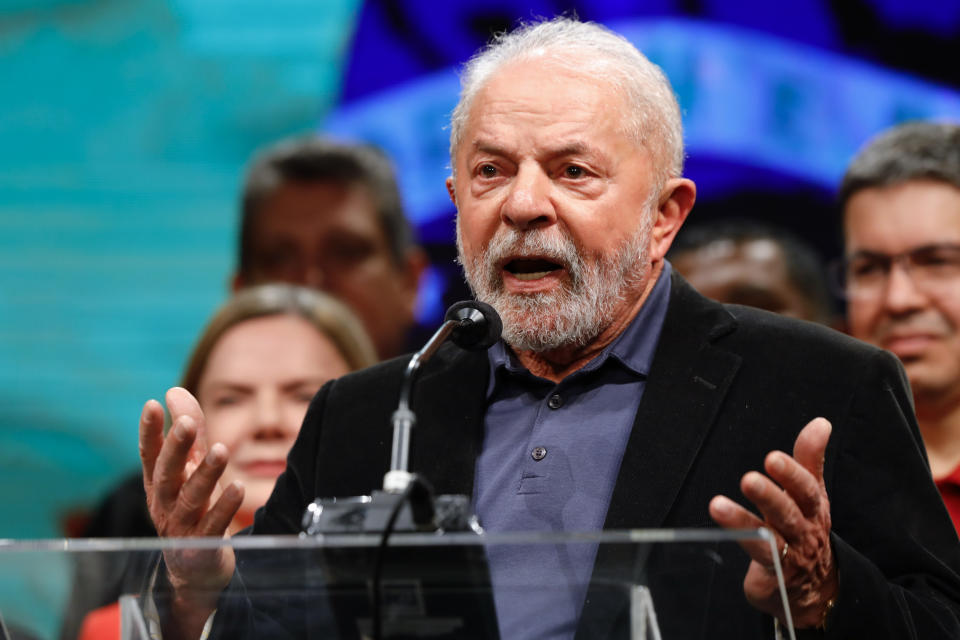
x,y
901,219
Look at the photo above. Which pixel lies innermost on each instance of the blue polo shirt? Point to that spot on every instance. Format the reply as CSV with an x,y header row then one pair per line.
x,y
550,458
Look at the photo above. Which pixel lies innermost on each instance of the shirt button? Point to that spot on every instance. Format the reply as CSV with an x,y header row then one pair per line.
x,y
539,453
555,401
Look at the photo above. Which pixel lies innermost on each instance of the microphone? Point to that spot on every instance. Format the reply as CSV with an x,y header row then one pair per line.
x,y
480,325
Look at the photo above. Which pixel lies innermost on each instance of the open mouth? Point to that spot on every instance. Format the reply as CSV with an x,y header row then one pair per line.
x,y
531,269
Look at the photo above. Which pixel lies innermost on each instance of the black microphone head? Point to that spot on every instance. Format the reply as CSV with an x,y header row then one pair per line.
x,y
480,325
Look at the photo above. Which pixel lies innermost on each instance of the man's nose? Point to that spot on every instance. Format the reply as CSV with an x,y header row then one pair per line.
x,y
313,277
528,203
902,295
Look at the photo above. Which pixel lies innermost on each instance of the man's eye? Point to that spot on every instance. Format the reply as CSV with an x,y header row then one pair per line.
x,y
488,171
866,268
349,251
278,258
573,171
938,257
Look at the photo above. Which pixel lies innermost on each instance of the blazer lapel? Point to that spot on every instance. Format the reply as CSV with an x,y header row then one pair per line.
x,y
688,381
686,386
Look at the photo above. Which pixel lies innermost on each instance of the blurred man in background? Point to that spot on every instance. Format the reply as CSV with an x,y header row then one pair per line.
x,y
329,216
326,216
901,218
323,215
754,264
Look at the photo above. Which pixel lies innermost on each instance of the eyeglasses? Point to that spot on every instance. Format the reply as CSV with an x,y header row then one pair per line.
x,y
931,268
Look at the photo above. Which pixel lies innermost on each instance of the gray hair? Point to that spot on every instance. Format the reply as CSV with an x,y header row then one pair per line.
x,y
654,118
912,151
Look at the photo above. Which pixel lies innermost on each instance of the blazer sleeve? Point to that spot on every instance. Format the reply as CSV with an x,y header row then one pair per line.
x,y
895,546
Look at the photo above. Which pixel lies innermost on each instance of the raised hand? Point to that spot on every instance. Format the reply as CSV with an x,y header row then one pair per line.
x,y
794,504
180,473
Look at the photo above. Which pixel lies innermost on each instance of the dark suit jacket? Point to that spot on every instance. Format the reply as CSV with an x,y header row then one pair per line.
x,y
728,384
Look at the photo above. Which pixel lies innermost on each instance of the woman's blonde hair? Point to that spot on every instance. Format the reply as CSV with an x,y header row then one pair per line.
x,y
329,316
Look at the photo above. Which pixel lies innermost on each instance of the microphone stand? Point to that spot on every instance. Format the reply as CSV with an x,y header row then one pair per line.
x,y
473,326
406,502
397,479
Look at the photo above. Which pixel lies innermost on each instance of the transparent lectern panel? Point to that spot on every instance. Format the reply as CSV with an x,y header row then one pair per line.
x,y
644,585
58,582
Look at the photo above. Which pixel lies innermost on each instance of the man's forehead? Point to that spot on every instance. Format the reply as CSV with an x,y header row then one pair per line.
x,y
551,148
907,212
306,205
535,86
720,259
562,127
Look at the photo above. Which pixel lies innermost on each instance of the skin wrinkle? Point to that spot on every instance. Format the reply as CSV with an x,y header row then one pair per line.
x,y
651,118
525,144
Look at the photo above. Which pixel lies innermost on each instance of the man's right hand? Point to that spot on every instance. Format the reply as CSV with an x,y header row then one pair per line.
x,y
180,475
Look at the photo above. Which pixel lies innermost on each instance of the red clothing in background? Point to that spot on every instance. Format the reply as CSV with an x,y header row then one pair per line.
x,y
949,487
102,624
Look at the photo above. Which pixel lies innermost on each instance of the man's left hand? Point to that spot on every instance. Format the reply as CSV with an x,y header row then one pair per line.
x,y
794,504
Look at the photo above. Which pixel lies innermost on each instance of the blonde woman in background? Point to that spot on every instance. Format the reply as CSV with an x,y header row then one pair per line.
x,y
254,370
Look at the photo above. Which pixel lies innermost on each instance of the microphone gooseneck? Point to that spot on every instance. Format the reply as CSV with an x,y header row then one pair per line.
x,y
473,326
407,501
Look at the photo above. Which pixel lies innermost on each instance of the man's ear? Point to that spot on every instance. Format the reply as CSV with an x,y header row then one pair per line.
x,y
237,282
450,191
414,266
676,201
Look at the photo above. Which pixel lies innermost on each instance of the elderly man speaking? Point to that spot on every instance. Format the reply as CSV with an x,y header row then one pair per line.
x,y
618,397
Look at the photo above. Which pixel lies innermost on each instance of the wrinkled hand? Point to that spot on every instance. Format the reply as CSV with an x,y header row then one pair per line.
x,y
180,475
795,507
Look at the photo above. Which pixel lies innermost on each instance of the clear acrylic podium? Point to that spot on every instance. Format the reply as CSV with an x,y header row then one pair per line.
x,y
647,584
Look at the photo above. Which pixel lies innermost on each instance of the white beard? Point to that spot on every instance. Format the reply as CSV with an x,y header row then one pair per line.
x,y
572,315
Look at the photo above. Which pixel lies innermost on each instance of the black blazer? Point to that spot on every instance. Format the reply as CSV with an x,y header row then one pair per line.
x,y
728,384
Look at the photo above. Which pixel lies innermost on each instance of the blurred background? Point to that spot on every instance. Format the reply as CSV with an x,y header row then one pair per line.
x,y
125,127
